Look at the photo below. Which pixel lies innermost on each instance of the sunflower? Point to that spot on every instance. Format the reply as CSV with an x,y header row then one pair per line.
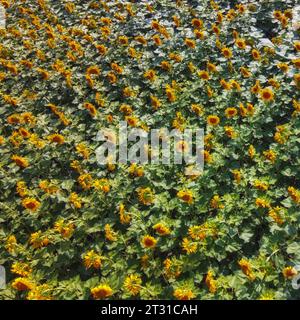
x,y
131,120
260,185
183,294
294,194
40,292
235,85
21,269
170,92
126,109
172,267
27,63
83,150
188,246
176,21
155,102
22,189
255,54
225,84
11,243
30,204
277,14
165,65
197,23
75,200
132,284
135,170
125,217
86,181
289,272
150,75
110,234
207,156
250,109
123,40
198,109
241,43
215,202
65,229
43,73
284,21
284,67
118,69
296,62
256,88
20,161
102,291
199,34
101,49
186,196
203,75
275,214
227,53
270,155
157,40
243,110
92,259
149,242
70,7
230,112
237,175
267,94
132,52
56,138
211,67
141,40
38,240
289,13
209,91
246,268
155,25
274,83
215,29
297,79
213,120
145,196
22,284
262,203
197,232
241,8
176,57
210,282
102,184
190,43
229,131
297,45
112,78
182,146
161,229
268,296
220,17
245,72
14,119
93,70
91,108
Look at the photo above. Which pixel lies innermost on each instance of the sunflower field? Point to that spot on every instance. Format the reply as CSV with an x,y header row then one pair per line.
x,y
71,229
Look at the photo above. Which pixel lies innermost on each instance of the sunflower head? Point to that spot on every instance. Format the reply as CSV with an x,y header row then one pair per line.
x,y
102,291
213,120
267,94
149,242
